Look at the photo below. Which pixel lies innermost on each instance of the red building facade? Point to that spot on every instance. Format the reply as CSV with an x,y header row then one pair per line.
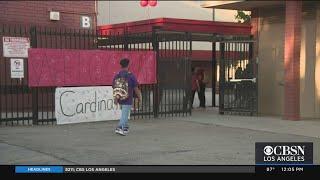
x,y
38,13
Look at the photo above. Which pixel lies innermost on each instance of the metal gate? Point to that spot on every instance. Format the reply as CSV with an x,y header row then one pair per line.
x,y
133,42
237,77
171,96
174,73
21,105
15,95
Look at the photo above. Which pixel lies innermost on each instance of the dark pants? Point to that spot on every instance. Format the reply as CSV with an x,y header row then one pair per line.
x,y
201,95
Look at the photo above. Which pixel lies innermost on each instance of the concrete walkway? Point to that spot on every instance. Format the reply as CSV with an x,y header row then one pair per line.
x,y
203,139
310,128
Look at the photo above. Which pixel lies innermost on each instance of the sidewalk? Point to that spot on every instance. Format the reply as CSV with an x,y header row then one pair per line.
x,y
203,139
309,128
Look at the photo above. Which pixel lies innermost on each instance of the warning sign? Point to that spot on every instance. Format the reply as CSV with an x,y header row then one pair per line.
x,y
17,70
16,47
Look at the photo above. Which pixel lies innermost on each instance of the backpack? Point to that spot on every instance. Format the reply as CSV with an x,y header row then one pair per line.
x,y
121,87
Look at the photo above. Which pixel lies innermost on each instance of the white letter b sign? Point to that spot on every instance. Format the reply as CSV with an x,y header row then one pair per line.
x,y
85,22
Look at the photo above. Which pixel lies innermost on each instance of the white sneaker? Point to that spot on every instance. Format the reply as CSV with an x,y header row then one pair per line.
x,y
120,131
117,130
126,130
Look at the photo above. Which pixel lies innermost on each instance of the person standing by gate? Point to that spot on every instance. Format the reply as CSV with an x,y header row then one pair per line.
x,y
124,86
195,86
202,87
248,71
238,87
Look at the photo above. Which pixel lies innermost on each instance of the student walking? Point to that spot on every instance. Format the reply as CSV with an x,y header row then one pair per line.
x,y
124,86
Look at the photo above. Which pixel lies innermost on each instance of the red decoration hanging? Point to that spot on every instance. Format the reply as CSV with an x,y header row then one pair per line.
x,y
153,3
143,3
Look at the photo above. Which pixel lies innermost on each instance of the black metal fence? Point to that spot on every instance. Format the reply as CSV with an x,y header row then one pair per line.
x,y
171,95
134,42
174,69
238,72
15,96
21,105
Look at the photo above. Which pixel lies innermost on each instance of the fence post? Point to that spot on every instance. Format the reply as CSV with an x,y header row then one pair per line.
x,y
33,42
214,73
125,40
155,45
222,78
254,74
188,75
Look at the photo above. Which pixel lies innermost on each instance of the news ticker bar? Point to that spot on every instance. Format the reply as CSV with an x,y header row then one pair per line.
x,y
167,169
134,169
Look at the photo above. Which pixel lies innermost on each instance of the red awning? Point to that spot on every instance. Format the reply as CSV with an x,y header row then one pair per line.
x,y
180,25
203,55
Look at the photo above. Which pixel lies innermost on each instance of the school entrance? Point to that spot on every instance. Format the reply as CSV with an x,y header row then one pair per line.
x,y
222,48
173,40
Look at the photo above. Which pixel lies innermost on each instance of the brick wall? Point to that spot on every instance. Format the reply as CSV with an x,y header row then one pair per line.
x,y
15,95
292,44
37,12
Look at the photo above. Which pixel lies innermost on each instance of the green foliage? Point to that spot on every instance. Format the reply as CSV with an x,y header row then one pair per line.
x,y
242,17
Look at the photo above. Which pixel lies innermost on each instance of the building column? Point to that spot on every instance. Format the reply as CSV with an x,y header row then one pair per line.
x,y
255,34
255,28
292,44
317,65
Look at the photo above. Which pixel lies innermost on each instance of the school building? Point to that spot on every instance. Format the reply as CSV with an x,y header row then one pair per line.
x,y
59,14
287,42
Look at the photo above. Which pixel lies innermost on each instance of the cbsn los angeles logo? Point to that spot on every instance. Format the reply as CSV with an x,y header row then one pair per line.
x,y
284,153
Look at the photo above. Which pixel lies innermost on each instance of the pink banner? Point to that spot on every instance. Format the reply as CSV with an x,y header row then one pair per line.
x,y
62,67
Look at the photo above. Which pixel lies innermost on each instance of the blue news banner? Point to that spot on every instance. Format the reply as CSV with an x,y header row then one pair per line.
x,y
251,169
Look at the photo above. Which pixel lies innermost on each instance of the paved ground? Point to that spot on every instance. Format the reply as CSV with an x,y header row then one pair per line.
x,y
310,128
206,138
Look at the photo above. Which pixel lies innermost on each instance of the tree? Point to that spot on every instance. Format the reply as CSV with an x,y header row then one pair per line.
x,y
242,17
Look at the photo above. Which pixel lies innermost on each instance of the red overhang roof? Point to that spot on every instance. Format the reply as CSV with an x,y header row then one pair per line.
x,y
180,25
202,55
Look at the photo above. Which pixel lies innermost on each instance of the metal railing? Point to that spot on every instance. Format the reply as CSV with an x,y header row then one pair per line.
x,y
22,105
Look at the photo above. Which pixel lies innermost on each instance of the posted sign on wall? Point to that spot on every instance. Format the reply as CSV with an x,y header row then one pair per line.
x,y
16,46
85,104
17,70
